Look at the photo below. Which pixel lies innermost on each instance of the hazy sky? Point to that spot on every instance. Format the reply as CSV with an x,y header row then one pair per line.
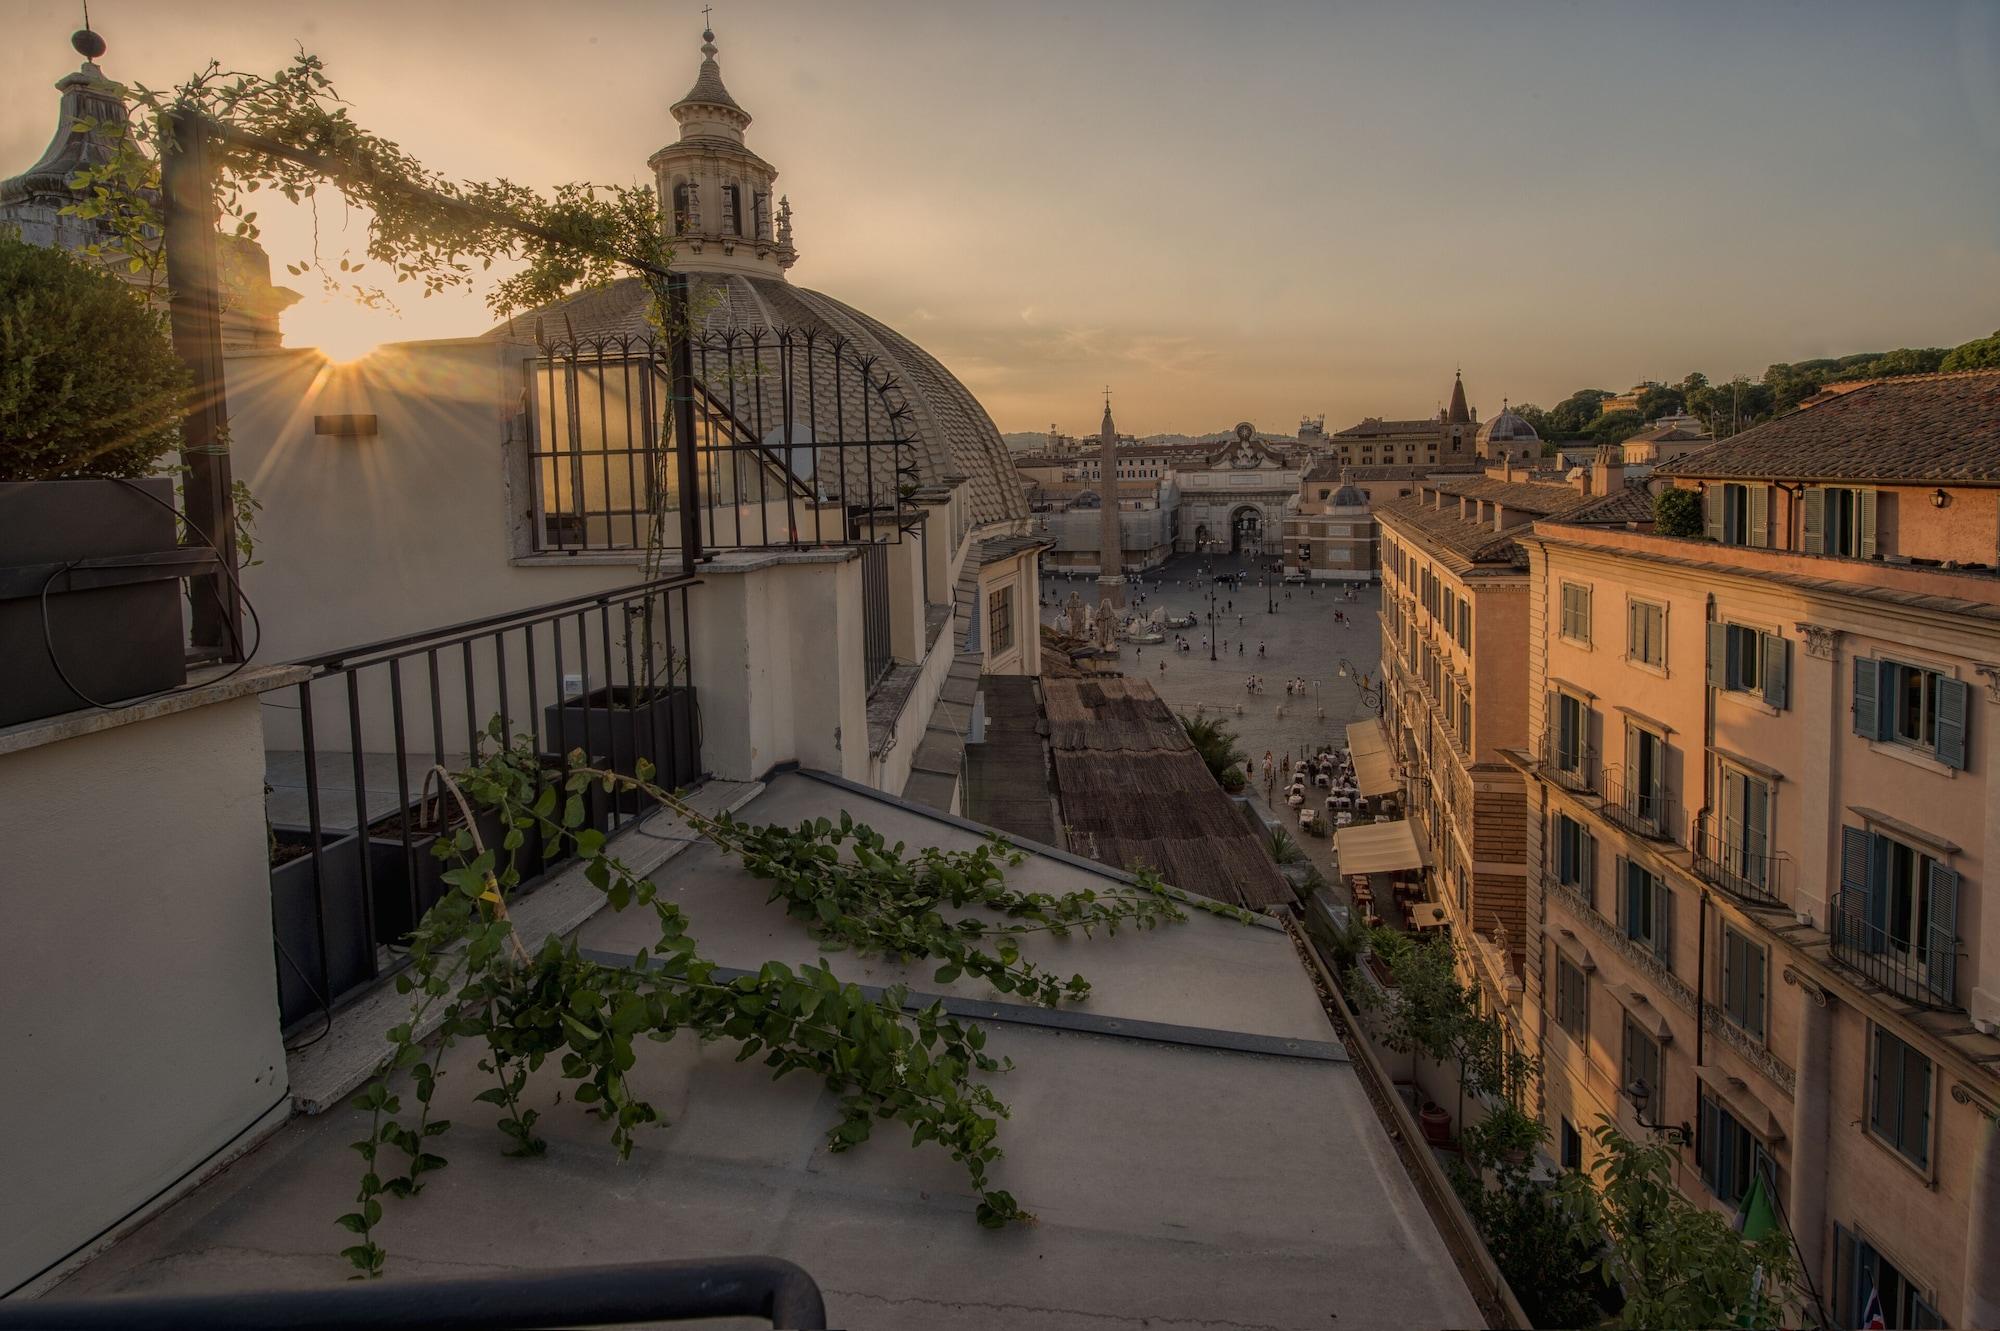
x,y
1224,211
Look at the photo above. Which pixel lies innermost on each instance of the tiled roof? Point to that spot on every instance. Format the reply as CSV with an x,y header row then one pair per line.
x,y
1374,429
1538,497
1631,503
955,436
1135,793
1473,543
1919,429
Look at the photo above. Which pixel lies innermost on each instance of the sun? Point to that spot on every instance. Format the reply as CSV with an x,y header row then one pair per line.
x,y
340,329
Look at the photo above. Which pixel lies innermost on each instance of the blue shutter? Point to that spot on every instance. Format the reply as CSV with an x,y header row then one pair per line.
x,y
1776,660
1941,959
1951,716
1867,698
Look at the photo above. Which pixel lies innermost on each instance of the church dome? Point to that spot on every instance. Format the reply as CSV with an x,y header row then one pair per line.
x,y
1508,428
1348,496
736,247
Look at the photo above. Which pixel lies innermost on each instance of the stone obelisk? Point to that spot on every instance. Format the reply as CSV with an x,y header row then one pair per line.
x,y
1110,546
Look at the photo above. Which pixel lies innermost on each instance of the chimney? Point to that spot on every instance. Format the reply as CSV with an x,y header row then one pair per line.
x,y
1608,475
1507,470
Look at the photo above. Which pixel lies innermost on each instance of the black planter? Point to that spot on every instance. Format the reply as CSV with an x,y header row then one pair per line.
x,y
605,722
114,621
298,914
596,813
392,869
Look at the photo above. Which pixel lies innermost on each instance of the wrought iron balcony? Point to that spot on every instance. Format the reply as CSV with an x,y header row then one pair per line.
x,y
1754,876
1573,766
1923,971
1654,814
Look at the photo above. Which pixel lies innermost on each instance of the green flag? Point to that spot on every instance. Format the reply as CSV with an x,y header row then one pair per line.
x,y
1754,1216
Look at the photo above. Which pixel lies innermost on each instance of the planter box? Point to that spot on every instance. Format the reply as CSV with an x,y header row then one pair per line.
x,y
116,630
605,722
299,913
392,869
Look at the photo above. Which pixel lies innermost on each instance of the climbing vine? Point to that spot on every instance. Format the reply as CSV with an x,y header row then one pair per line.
x,y
886,1058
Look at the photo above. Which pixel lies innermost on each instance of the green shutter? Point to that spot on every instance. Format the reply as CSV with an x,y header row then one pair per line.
x,y
1718,655
1864,501
1867,698
1663,943
1760,515
1586,858
1623,896
1941,949
1952,697
1856,882
1814,535
1711,505
1775,663
1759,961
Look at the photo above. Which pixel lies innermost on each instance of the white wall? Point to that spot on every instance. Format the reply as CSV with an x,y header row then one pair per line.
x,y
136,975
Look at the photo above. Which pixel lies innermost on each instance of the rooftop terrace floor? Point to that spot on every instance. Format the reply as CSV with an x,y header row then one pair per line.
x,y
1195,1146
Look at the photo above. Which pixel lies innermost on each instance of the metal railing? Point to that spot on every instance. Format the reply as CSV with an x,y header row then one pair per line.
x,y
1922,971
1654,814
764,1287
354,811
1572,767
1749,875
800,438
877,652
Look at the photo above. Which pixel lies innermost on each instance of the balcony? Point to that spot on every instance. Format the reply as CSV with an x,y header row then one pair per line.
x,y
1922,971
1752,876
1652,814
1571,766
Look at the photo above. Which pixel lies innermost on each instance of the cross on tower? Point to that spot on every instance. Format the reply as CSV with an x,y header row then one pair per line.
x,y
1107,396
704,16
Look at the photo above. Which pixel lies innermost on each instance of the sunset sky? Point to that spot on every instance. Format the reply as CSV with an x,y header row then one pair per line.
x,y
1250,211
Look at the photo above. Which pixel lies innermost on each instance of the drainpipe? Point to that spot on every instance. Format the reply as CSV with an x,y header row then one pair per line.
x,y
1701,823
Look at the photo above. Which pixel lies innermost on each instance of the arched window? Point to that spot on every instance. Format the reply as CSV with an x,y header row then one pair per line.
x,y
732,209
681,207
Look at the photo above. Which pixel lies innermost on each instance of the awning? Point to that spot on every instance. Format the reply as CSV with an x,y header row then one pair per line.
x,y
1375,773
1377,848
1366,737
1743,1106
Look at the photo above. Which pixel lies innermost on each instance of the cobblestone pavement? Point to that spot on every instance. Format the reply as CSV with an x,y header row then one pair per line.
x,y
1302,639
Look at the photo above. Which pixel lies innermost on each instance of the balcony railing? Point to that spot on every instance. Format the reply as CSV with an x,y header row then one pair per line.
x,y
354,809
1922,971
1752,875
1654,814
1573,767
875,637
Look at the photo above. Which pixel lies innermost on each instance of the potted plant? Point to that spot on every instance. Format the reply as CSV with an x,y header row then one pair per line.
x,y
625,723
320,923
1435,1120
91,401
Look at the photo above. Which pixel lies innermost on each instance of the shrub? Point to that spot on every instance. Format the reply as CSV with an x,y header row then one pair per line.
x,y
1677,512
89,384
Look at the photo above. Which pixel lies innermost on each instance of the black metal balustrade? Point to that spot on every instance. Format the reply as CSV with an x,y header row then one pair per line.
x,y
769,1288
354,809
1651,813
799,439
1749,874
877,653
1571,766
1921,970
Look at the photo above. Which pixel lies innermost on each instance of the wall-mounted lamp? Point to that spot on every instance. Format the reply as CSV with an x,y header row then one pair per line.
x,y
1675,1134
348,426
1940,499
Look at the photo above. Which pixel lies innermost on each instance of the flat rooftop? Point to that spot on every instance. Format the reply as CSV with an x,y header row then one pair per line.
x,y
1192,1140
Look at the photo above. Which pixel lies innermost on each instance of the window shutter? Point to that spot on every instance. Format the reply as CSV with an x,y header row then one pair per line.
x,y
1941,963
1952,695
1711,504
1814,533
1854,885
1865,500
1718,656
1708,1154
1732,808
1587,865
1759,961
1633,650
1622,896
1664,944
1867,717
1776,662
1847,1296
1760,515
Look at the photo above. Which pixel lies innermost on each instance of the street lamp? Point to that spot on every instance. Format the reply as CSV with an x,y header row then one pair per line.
x,y
1675,1134
1371,698
1211,608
